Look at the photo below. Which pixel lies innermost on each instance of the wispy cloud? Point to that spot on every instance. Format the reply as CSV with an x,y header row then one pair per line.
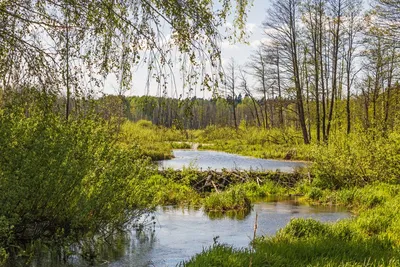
x,y
259,42
228,45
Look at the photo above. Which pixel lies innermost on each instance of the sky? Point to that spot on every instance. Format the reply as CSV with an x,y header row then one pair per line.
x,y
240,53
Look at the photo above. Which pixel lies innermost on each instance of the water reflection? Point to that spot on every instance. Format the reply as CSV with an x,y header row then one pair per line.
x,y
216,160
180,233
230,214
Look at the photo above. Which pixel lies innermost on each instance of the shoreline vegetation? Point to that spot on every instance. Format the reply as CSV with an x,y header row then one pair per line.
x,y
354,171
77,161
369,189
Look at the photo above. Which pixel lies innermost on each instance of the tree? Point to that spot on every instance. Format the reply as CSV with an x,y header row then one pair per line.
x,y
258,68
231,87
337,9
353,26
68,46
247,92
388,12
312,17
283,23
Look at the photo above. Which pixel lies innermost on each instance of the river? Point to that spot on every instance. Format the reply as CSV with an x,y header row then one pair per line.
x,y
215,160
180,233
177,234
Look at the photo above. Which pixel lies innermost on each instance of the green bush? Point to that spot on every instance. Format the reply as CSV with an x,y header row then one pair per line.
x,y
357,160
299,228
163,191
231,199
60,179
315,193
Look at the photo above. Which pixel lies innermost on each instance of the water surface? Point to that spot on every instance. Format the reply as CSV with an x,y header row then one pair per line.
x,y
215,160
181,233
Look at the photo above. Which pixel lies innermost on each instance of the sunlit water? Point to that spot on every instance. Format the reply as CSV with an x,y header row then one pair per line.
x,y
178,234
216,160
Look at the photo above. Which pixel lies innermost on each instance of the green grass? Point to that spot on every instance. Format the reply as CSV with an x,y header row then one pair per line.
x,y
164,191
370,239
255,142
153,141
231,199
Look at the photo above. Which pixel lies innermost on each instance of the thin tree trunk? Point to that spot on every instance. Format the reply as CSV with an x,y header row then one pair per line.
x,y
334,67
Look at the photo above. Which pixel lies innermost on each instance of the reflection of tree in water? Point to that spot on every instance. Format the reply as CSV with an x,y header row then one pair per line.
x,y
231,214
136,241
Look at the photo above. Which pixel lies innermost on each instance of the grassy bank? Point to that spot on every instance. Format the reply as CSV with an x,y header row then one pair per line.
x,y
152,141
370,239
218,191
157,141
360,171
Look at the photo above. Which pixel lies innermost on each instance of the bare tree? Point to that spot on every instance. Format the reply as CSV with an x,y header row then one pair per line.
x,y
244,85
282,25
258,68
353,27
231,87
337,9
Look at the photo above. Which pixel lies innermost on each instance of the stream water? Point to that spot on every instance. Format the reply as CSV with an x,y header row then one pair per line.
x,y
178,234
181,233
215,160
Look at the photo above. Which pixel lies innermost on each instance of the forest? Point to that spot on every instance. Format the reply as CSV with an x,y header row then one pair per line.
x,y
77,165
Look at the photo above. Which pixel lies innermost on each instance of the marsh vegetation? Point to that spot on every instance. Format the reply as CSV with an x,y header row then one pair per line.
x,y
78,167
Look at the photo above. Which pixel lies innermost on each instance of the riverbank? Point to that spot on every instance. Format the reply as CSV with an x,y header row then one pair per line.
x,y
370,239
357,171
158,142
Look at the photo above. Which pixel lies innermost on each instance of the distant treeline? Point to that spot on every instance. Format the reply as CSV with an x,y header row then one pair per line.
x,y
198,113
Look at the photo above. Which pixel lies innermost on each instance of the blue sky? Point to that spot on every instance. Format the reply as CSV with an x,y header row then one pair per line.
x,y
240,52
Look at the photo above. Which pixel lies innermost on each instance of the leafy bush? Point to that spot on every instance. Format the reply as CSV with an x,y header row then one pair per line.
x,y
163,191
315,193
357,160
60,179
298,228
231,199
148,137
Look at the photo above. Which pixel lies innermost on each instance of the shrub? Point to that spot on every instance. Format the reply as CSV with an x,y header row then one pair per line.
x,y
232,199
357,160
303,228
60,179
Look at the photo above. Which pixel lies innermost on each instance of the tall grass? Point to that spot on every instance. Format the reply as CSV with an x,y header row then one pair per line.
x,y
256,142
232,199
153,141
371,239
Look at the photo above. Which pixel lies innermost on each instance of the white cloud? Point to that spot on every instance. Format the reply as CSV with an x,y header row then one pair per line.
x,y
228,45
258,42
250,27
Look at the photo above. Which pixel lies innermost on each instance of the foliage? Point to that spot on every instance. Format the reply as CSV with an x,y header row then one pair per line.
x,y
356,160
370,239
163,191
231,199
153,141
256,191
357,198
61,180
101,45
